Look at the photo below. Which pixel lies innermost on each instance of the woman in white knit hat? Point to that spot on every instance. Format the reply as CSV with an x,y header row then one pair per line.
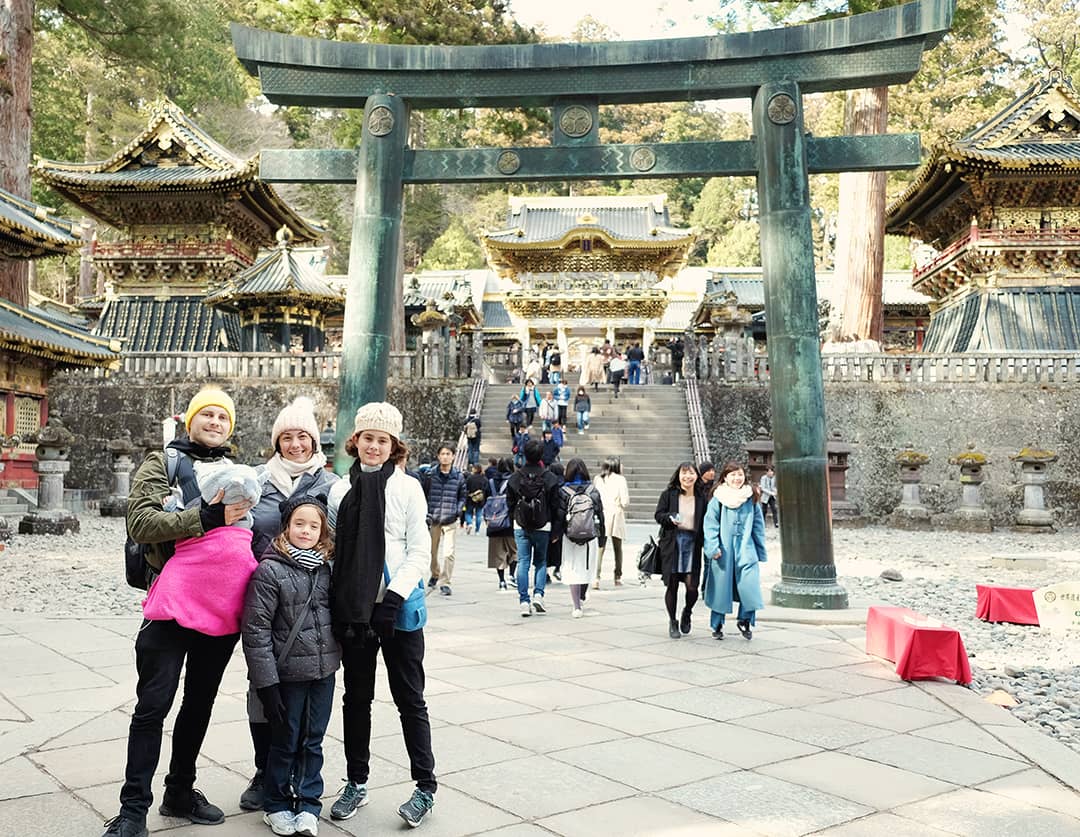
x,y
381,554
297,467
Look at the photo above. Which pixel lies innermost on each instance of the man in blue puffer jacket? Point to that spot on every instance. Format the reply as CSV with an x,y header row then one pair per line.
x,y
445,490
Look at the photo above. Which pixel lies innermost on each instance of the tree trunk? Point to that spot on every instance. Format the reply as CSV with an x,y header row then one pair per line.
x,y
16,42
860,237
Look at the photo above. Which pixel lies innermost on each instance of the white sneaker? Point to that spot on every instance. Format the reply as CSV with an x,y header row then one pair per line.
x,y
307,824
538,603
526,609
577,614
281,822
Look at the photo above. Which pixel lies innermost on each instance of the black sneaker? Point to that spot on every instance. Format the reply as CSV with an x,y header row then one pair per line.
x,y
684,623
673,629
744,629
120,827
252,798
445,590
352,797
418,807
191,806
718,633
431,582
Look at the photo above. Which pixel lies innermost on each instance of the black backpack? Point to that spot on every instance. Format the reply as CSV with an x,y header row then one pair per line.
x,y
531,511
139,573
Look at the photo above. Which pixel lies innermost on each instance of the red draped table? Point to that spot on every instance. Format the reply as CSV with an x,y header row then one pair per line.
x,y
1006,604
921,647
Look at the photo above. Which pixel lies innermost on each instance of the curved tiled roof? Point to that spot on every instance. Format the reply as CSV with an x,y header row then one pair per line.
x,y
29,230
177,324
28,332
641,220
279,274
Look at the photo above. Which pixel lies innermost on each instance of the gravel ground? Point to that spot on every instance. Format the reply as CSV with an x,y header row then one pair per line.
x,y
81,575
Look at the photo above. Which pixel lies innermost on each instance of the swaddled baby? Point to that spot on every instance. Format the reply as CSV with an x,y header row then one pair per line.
x,y
202,585
239,483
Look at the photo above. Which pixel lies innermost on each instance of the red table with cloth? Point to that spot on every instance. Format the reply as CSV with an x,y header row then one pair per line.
x,y
1006,604
920,646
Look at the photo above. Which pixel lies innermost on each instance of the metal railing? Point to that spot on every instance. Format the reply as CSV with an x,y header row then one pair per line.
x,y
476,404
698,436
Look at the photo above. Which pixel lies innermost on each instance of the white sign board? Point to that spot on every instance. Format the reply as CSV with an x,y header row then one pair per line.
x,y
1058,606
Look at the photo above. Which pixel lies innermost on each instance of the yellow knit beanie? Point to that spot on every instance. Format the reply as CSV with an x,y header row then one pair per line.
x,y
210,397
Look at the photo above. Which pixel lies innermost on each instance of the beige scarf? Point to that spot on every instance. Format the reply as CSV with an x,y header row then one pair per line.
x,y
284,472
733,497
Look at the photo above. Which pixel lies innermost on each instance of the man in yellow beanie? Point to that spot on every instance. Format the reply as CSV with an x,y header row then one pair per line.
x,y
164,647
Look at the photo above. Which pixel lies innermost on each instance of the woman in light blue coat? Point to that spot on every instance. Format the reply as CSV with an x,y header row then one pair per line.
x,y
734,546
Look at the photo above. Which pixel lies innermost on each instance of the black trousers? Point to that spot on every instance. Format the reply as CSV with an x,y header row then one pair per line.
x,y
404,659
160,652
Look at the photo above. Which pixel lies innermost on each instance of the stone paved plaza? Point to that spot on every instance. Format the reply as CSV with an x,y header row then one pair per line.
x,y
551,725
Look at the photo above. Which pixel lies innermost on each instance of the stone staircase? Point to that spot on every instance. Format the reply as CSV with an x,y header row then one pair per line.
x,y
646,427
12,508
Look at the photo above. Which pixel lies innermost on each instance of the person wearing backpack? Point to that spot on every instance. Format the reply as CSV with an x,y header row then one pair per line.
x,y
515,416
582,406
549,411
580,515
530,397
562,395
476,493
555,367
520,440
444,486
163,647
551,450
502,551
531,496
471,428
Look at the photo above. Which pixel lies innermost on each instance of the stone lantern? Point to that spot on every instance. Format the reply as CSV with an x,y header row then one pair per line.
x,y
431,322
971,515
1034,516
911,513
123,463
8,445
759,455
839,453
327,444
53,448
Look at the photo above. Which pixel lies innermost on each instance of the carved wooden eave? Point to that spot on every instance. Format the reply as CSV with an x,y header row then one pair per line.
x,y
27,332
30,231
664,258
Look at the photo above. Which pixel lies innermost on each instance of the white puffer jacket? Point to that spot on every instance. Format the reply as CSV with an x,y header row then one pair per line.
x,y
408,541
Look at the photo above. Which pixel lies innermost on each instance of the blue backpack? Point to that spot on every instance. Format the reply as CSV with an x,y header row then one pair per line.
x,y
496,512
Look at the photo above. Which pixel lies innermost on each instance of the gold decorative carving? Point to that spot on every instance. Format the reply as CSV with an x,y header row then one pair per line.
x,y
576,121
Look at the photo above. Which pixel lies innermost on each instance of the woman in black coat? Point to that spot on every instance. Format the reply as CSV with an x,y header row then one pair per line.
x,y
680,511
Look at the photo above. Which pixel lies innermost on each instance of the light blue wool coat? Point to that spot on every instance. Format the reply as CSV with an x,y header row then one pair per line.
x,y
740,533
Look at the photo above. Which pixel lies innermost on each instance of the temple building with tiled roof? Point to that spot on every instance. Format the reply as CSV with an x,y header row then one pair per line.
x,y
998,213
188,214
280,301
30,231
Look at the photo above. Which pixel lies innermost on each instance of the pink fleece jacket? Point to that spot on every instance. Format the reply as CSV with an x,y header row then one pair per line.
x,y
202,586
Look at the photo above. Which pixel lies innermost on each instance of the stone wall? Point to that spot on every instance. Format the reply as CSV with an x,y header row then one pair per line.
x,y
938,420
98,410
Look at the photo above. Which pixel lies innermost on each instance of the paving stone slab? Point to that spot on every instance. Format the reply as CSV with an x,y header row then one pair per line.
x,y
625,658
865,709
536,787
814,728
20,777
947,762
523,830
720,705
552,695
694,674
628,684
469,707
770,806
496,652
738,745
780,692
860,780
1036,788
640,816
813,657
643,764
48,815
702,648
110,726
633,717
964,733
556,732
877,825
560,667
1052,756
455,748
970,811
845,682
751,665
485,677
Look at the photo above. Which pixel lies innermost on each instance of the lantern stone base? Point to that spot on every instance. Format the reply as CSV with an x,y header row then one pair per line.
x,y
964,521
49,523
114,506
911,518
846,515
811,586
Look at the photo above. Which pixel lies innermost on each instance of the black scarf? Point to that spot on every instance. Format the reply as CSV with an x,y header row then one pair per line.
x,y
360,546
197,451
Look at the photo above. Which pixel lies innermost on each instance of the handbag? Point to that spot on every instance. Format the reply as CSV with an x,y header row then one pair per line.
x,y
649,559
412,616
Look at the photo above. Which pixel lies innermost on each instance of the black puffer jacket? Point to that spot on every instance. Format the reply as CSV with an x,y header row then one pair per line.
x,y
275,598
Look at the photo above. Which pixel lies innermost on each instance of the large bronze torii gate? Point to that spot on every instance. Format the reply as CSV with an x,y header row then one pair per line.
x,y
774,68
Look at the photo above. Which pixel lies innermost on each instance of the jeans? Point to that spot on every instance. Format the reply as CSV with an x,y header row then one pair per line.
x,y
474,451
404,659
562,414
616,381
532,545
160,650
443,533
582,419
716,619
474,515
555,378
633,372
296,754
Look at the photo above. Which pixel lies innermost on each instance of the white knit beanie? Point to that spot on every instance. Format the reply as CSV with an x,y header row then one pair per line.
x,y
379,415
300,415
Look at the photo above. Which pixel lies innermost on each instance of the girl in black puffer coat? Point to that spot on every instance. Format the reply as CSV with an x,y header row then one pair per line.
x,y
292,656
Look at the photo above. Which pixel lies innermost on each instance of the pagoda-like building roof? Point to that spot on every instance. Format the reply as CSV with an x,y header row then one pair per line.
x,y
171,155
175,324
29,230
588,234
281,277
1028,154
451,291
31,332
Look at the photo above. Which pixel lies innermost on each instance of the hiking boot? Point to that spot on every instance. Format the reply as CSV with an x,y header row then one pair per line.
x,y
252,798
307,824
718,633
744,629
281,822
526,609
192,806
353,796
120,827
418,807
684,623
538,603
445,590
673,629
